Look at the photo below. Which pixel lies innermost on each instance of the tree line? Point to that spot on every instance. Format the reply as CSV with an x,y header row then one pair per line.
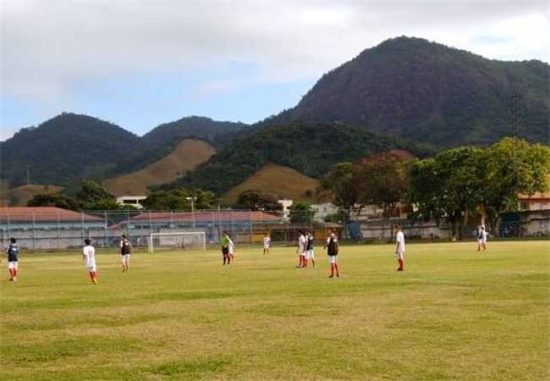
x,y
454,186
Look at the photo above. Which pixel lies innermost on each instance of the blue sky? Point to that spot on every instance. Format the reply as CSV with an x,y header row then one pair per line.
x,y
142,63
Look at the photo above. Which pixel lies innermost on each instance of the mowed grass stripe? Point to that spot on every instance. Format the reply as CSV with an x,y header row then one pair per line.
x,y
453,314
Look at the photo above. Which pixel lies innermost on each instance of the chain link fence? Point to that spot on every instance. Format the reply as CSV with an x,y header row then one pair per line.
x,y
54,228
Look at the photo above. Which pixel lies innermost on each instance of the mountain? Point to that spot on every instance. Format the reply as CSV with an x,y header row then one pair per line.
x,y
164,138
187,155
311,149
64,148
428,92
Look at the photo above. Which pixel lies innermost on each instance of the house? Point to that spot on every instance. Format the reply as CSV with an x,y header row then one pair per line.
x,y
48,227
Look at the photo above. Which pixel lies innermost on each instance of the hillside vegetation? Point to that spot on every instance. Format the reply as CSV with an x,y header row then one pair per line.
x,y
310,149
428,92
188,155
283,181
64,148
21,195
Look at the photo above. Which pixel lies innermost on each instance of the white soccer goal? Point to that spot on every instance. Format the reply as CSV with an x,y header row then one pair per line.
x,y
195,240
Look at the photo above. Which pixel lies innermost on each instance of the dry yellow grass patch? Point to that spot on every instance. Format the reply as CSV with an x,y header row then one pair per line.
x,y
21,195
284,181
188,155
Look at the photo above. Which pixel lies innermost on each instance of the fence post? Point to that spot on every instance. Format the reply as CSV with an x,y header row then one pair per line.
x,y
106,228
33,229
58,234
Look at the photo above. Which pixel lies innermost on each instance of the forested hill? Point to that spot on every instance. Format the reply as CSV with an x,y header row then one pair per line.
x,y
164,138
424,91
63,148
311,149
193,127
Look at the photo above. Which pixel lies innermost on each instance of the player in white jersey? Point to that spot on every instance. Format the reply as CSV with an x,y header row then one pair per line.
x,y
231,247
400,248
481,238
88,258
267,243
310,250
301,250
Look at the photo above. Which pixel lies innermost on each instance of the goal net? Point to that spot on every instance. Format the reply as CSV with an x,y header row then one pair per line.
x,y
195,240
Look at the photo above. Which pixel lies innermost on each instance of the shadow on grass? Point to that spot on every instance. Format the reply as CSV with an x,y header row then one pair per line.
x,y
190,369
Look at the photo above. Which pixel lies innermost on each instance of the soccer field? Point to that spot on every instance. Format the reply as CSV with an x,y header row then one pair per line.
x,y
454,314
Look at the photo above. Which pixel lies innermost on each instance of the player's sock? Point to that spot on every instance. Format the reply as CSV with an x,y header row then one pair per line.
x,y
15,272
336,268
11,273
400,263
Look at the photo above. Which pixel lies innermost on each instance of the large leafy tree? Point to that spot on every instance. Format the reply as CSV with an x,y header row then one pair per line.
x,y
257,200
448,186
339,181
54,199
512,167
382,180
93,196
301,213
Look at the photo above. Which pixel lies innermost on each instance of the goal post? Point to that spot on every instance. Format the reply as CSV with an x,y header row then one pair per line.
x,y
186,240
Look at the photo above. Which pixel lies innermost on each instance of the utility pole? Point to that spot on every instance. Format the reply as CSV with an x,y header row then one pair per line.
x,y
192,199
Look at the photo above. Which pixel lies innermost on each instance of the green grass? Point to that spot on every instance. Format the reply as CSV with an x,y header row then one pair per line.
x,y
452,315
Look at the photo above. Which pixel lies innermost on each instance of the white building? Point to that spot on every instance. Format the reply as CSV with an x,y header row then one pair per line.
x,y
323,210
286,207
134,201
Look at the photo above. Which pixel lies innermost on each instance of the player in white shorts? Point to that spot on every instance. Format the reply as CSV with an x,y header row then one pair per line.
x,y
231,248
88,258
309,249
267,243
332,251
125,253
301,250
13,259
400,248
481,238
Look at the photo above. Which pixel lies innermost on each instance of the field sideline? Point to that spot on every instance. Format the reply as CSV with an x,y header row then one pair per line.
x,y
452,315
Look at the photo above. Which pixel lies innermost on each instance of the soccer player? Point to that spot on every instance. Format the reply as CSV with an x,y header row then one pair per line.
x,y
88,258
231,248
225,248
301,250
332,251
125,253
309,249
400,248
481,238
267,243
13,254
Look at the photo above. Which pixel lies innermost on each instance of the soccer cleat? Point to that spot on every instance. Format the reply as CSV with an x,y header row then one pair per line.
x,y
399,269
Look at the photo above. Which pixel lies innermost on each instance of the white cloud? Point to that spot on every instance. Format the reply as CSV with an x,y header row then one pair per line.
x,y
48,47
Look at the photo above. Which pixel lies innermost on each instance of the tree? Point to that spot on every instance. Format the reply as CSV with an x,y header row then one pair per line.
x,y
448,186
257,200
382,180
340,182
177,199
93,196
301,213
54,199
512,167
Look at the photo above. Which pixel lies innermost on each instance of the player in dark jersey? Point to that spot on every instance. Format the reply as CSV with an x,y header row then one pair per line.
x,y
125,253
13,259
